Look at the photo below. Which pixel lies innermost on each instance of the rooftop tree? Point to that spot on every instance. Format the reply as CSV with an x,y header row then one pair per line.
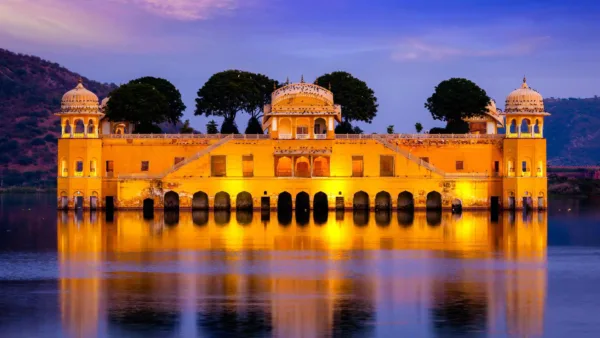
x,y
141,104
171,94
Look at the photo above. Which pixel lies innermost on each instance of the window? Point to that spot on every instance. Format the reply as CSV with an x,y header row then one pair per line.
x,y
79,168
386,166
425,159
460,165
357,166
218,166
178,160
145,165
248,165
93,168
110,166
302,130
524,166
540,171
496,166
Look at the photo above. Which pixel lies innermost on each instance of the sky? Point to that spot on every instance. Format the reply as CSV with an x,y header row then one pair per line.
x,y
401,49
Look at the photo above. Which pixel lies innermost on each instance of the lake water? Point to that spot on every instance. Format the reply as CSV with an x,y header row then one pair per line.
x,y
334,275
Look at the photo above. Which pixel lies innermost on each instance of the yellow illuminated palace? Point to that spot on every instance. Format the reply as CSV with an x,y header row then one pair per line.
x,y
301,163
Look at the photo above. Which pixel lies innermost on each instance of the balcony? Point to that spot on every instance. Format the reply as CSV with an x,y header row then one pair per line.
x,y
302,136
320,136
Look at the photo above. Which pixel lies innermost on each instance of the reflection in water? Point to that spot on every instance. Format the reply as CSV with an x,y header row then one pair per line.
x,y
330,275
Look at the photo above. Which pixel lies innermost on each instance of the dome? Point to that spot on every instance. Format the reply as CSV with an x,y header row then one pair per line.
x,y
524,100
79,99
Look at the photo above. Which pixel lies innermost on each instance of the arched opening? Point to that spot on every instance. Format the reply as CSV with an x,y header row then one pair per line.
x,y
222,201
456,205
320,202
525,127
302,128
406,201
171,201
302,167
63,202
512,127
284,167
536,127
284,202
200,217
321,166
320,127
93,169
67,128
406,218
243,201
541,202
302,202
64,168
91,127
120,129
79,126
360,201
320,218
512,202
285,128
383,201
200,201
434,201
148,208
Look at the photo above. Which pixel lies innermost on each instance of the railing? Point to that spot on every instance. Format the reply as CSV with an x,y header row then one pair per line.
x,y
320,136
417,136
186,136
285,136
302,136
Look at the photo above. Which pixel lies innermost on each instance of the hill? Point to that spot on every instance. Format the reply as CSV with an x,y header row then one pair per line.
x,y
573,131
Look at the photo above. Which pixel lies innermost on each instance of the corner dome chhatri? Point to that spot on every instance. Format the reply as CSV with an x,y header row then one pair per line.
x,y
524,100
79,99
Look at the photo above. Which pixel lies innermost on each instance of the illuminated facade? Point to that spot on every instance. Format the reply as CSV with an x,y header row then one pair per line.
x,y
301,163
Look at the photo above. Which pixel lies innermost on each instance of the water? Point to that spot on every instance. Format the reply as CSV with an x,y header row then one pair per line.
x,y
334,275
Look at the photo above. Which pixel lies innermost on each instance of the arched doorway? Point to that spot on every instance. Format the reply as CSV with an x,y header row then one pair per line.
x,y
171,201
243,201
91,128
148,208
284,202
434,201
383,201
285,128
79,126
302,167
222,201
361,201
302,202
406,201
200,201
456,205
284,167
320,202
320,127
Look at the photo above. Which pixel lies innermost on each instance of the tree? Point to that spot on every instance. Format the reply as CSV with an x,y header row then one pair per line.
x,y
141,104
418,127
254,126
171,94
456,99
358,101
211,127
229,127
186,129
232,91
390,129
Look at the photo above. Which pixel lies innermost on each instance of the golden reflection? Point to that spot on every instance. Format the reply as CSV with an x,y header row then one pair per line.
x,y
207,273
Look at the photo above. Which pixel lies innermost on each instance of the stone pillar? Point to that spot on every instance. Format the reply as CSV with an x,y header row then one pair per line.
x,y
541,130
519,122
293,166
85,129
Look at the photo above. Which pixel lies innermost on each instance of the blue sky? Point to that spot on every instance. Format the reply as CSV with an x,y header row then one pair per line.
x,y
402,49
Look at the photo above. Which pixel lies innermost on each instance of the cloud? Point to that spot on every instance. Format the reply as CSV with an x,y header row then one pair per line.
x,y
187,10
465,46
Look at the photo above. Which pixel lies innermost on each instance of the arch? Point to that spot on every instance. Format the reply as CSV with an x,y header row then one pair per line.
x,y
434,201
406,201
285,127
536,126
456,205
63,200
321,166
200,201
320,127
361,201
320,202
64,167
171,201
120,128
525,126
222,201
243,201
91,129
302,127
67,127
302,201
284,167
383,201
148,208
512,127
284,202
79,126
302,168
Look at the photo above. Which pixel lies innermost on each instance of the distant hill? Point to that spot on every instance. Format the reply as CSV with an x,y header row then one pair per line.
x,y
573,131
31,90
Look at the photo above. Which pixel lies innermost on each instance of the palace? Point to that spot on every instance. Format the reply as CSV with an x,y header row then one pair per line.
x,y
301,163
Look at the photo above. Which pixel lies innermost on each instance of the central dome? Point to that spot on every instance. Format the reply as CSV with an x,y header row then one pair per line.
x,y
79,99
524,100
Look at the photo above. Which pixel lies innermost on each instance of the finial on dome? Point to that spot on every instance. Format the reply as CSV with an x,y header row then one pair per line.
x,y
524,85
287,80
80,80
302,79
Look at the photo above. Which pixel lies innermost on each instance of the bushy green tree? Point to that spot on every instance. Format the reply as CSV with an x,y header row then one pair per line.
x,y
418,127
186,129
212,127
390,129
171,94
254,126
138,103
358,101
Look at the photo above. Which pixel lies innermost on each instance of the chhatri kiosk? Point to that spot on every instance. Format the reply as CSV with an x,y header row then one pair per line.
x,y
301,163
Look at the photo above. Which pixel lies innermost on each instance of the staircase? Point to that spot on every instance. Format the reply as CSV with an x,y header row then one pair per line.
x,y
383,140
196,156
